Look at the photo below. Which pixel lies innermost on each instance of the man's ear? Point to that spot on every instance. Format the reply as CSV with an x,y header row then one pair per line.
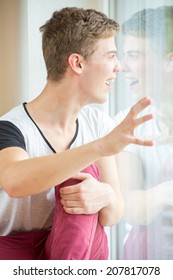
x,y
168,65
75,61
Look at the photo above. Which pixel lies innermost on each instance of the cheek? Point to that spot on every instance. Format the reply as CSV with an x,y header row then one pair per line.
x,y
98,74
132,66
140,71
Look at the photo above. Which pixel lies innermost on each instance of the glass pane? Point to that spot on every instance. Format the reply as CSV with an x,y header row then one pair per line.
x,y
145,46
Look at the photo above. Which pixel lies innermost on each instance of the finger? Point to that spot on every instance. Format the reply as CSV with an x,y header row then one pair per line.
x,y
68,190
75,210
140,106
71,196
81,176
142,142
71,203
143,119
80,210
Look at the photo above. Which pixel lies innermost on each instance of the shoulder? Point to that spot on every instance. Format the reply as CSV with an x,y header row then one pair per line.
x,y
16,116
92,113
12,113
10,136
19,117
10,128
96,119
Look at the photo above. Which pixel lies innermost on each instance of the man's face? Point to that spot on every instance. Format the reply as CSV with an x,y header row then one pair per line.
x,y
141,66
100,71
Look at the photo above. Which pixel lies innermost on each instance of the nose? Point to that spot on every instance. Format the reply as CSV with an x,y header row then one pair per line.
x,y
124,67
117,66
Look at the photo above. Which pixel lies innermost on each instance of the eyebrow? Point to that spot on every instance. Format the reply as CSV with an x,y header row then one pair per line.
x,y
131,51
110,52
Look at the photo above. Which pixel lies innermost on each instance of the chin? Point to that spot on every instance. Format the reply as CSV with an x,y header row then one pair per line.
x,y
137,94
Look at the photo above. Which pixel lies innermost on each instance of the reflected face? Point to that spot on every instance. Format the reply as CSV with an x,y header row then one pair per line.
x,y
141,66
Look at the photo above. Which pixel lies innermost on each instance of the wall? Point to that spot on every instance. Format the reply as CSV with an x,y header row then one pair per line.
x,y
9,54
36,69
22,70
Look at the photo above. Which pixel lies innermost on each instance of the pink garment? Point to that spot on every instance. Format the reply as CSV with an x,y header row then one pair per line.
x,y
72,237
76,237
144,243
23,246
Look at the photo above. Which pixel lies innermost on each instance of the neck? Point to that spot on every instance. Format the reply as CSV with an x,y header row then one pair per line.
x,y
57,105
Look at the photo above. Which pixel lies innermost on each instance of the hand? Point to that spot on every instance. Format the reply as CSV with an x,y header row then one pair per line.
x,y
123,134
86,197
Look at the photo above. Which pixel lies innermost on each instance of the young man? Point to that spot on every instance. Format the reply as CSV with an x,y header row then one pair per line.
x,y
55,136
147,67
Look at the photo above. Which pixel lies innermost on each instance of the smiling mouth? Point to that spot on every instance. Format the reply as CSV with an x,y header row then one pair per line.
x,y
132,82
109,82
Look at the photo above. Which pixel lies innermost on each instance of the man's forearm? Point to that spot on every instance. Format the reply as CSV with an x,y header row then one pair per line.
x,y
34,175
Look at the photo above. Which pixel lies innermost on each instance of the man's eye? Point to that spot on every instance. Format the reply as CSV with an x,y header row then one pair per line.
x,y
132,55
113,56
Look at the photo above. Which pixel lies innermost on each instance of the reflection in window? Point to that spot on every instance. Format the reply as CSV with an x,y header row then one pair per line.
x,y
147,173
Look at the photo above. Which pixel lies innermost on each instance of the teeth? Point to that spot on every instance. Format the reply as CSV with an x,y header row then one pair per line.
x,y
134,82
109,82
131,81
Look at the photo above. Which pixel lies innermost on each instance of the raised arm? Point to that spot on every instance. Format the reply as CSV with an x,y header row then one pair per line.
x,y
21,176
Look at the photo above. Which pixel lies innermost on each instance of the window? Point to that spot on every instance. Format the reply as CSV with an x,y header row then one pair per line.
x,y
145,48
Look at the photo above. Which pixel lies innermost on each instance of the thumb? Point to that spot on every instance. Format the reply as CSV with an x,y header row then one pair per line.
x,y
81,176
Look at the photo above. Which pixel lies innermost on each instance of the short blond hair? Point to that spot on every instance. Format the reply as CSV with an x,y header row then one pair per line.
x,y
73,30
